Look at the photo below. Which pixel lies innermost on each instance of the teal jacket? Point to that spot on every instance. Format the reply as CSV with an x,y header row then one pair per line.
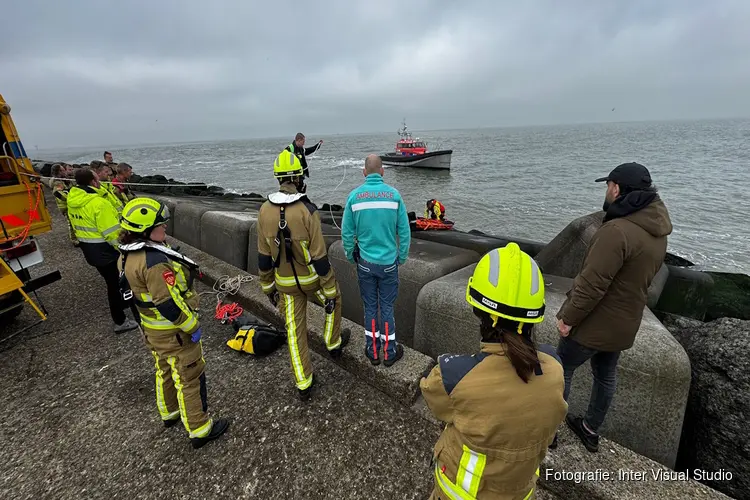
x,y
374,215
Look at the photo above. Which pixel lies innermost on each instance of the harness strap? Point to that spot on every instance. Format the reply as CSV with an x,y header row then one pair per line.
x,y
286,235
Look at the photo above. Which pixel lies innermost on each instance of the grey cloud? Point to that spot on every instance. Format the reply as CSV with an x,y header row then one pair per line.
x,y
96,72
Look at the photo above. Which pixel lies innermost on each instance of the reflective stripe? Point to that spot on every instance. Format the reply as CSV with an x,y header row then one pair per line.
x,y
494,276
160,403
204,429
308,257
391,336
534,277
91,240
289,281
371,205
291,329
86,229
470,470
267,287
156,324
111,230
375,335
330,292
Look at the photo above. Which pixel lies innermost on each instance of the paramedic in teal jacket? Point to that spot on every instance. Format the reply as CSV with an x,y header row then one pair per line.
x,y
374,216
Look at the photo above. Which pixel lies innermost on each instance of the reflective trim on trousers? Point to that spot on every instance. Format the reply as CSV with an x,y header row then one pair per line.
x,y
204,429
303,280
291,329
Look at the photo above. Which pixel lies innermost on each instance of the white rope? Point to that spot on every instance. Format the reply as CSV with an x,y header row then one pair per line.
x,y
330,205
200,184
228,285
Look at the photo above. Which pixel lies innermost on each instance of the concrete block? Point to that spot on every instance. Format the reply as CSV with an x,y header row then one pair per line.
x,y
563,256
657,286
427,261
401,381
187,222
171,204
653,376
686,293
480,243
331,234
225,235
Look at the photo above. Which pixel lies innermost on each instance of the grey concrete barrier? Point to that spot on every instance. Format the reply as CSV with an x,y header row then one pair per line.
x,y
657,286
400,381
225,235
480,243
563,256
171,203
686,293
187,222
427,261
653,376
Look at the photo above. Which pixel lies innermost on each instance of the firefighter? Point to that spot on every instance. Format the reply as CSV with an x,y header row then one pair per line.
x,y
161,281
294,268
60,192
109,190
502,405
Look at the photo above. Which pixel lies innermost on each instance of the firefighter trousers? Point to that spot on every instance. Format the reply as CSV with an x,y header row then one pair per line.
x,y
293,307
180,380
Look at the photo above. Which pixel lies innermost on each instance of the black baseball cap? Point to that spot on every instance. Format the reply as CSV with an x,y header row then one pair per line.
x,y
632,175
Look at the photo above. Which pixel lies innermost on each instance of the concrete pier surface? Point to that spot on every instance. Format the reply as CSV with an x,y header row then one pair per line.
x,y
80,420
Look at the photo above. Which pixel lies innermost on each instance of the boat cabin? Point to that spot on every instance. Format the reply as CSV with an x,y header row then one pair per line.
x,y
409,147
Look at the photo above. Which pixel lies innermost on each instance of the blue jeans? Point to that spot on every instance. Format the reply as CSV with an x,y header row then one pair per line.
x,y
378,287
603,368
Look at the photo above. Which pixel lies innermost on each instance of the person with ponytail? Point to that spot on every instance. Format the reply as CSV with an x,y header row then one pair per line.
x,y
503,405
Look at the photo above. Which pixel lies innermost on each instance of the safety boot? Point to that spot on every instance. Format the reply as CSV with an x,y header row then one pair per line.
x,y
345,336
589,439
399,354
220,427
128,325
172,422
304,394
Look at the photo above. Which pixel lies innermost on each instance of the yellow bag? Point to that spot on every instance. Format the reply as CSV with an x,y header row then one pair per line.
x,y
256,340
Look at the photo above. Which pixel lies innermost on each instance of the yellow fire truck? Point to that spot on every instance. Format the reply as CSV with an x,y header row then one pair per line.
x,y
23,216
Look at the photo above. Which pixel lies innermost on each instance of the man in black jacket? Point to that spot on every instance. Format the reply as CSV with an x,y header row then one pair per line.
x,y
299,149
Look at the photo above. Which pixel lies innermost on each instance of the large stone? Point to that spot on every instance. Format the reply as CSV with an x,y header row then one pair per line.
x,y
400,381
563,256
686,293
187,222
730,297
653,376
331,234
225,235
715,434
657,286
480,243
427,261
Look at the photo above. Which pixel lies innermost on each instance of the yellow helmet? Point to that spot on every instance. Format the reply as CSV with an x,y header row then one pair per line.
x,y
507,283
141,214
286,165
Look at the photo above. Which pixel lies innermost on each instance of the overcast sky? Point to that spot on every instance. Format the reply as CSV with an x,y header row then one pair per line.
x,y
103,72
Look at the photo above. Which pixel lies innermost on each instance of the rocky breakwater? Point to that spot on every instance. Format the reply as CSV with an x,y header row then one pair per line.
x,y
715,436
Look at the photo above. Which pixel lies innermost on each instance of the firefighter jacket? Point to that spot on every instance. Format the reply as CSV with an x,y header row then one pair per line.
x,y
292,255
60,192
498,427
162,284
122,191
96,224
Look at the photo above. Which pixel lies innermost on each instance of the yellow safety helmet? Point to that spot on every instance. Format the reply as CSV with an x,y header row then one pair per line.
x,y
142,214
286,165
507,283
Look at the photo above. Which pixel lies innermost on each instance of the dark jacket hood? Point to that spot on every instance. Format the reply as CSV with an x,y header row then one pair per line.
x,y
643,208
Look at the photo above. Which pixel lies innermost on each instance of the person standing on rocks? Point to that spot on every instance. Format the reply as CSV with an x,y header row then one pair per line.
x,y
96,224
376,237
293,268
603,311
300,151
502,405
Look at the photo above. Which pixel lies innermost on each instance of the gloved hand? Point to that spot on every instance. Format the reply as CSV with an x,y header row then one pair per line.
x,y
330,305
273,298
196,336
